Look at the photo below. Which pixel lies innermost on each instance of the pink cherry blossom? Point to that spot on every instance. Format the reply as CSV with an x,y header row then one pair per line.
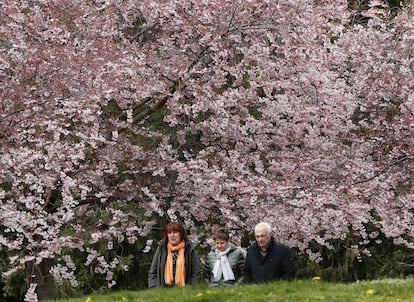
x,y
114,114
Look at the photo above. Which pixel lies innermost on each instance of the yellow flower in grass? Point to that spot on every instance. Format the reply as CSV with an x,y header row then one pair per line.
x,y
370,292
316,278
88,299
199,294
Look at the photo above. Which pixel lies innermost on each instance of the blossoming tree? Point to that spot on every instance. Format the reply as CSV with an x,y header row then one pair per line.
x,y
285,111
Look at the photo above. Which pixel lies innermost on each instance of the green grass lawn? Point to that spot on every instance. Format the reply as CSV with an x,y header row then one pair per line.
x,y
387,290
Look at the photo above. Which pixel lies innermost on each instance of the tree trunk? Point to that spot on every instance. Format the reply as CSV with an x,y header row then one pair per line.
x,y
40,274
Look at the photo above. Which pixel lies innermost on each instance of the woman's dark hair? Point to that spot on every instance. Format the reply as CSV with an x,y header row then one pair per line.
x,y
221,233
175,226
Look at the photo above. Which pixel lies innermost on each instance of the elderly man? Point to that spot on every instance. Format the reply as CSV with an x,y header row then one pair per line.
x,y
268,260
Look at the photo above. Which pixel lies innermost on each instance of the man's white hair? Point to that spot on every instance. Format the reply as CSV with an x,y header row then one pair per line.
x,y
263,225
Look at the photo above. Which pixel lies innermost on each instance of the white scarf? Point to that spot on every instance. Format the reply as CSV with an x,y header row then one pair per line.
x,y
222,266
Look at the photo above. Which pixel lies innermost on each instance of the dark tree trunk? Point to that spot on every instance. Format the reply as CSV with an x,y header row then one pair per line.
x,y
40,274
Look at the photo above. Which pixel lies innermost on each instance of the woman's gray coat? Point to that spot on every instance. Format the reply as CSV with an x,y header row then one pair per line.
x,y
192,265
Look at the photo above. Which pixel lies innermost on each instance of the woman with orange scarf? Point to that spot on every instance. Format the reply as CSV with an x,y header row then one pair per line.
x,y
175,261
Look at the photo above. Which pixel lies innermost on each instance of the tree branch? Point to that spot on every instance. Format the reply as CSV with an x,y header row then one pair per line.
x,y
385,169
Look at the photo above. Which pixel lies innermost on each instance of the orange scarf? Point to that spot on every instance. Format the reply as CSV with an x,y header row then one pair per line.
x,y
180,265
